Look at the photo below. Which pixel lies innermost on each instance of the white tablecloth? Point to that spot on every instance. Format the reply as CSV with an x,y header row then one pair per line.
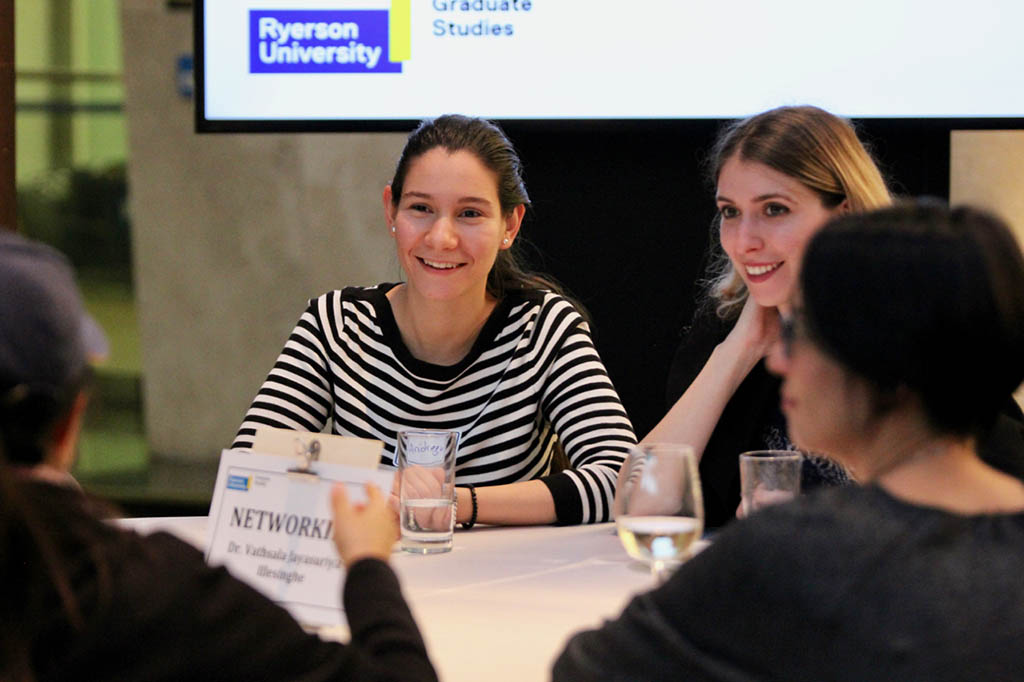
x,y
502,603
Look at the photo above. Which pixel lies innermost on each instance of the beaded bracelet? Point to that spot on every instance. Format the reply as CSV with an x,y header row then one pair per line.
x,y
466,525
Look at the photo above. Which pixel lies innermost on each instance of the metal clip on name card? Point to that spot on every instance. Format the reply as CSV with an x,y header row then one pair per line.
x,y
307,454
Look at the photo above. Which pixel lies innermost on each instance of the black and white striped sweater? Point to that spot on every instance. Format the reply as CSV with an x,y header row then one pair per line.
x,y
533,376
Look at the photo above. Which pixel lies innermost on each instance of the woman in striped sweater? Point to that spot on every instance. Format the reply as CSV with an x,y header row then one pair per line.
x,y
470,342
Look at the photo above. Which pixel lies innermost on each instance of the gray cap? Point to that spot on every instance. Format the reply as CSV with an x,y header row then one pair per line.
x,y
44,337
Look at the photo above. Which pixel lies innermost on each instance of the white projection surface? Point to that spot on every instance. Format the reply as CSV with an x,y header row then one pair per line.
x,y
389,60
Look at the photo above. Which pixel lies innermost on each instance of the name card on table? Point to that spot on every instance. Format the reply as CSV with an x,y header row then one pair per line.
x,y
271,525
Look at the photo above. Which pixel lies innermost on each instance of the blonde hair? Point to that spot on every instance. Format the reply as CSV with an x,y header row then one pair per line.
x,y
819,149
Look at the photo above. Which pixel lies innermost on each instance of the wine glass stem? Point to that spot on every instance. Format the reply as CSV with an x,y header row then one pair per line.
x,y
658,571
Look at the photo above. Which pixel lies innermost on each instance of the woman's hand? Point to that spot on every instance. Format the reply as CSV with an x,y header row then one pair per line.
x,y
756,331
363,530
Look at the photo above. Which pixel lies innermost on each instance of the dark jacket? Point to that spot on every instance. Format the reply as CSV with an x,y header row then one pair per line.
x,y
152,609
847,584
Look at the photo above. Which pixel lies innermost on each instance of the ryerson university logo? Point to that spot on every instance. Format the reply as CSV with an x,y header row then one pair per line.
x,y
323,41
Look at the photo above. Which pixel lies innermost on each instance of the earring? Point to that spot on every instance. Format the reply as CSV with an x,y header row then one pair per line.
x,y
505,241
392,229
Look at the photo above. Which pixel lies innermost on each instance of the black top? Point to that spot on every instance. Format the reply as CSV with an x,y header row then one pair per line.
x,y
845,584
153,610
752,420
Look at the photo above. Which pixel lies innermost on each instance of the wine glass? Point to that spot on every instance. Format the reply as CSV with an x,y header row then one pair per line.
x,y
658,507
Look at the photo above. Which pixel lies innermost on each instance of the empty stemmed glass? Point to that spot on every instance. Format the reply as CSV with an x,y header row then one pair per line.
x,y
659,509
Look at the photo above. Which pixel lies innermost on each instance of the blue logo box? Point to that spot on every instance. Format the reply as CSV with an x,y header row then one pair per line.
x,y
320,41
238,483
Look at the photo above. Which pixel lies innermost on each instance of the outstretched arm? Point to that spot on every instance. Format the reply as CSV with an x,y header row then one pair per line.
x,y
694,416
382,626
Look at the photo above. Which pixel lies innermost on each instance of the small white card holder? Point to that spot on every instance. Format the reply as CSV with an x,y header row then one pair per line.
x,y
271,525
323,447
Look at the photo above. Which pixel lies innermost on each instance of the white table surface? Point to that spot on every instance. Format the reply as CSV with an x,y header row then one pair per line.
x,y
502,603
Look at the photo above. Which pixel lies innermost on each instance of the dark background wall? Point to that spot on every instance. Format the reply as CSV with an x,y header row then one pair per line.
x,y
622,214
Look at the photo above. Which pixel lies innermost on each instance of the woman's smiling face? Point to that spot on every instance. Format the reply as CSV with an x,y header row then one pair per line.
x,y
767,218
448,224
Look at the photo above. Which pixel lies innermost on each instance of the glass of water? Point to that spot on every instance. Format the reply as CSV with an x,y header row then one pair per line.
x,y
426,489
768,477
659,508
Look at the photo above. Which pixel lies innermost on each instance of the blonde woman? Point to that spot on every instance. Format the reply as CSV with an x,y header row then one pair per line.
x,y
779,177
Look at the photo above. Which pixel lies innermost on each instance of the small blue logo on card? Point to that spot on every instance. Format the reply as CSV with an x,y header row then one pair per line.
x,y
239,483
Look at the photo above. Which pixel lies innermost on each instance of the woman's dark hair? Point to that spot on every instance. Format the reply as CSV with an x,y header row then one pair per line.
x,y
487,142
30,561
922,298
30,412
29,557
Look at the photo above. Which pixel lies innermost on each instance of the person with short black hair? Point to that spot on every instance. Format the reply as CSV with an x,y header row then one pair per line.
x,y
958,349
81,599
899,352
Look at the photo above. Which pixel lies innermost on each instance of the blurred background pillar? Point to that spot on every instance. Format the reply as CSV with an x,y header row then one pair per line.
x,y
986,169
231,234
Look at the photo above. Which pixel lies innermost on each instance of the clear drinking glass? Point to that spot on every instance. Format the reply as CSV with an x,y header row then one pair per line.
x,y
426,489
768,477
659,508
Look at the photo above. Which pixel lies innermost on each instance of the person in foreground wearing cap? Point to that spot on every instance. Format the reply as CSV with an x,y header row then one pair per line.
x,y
92,601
